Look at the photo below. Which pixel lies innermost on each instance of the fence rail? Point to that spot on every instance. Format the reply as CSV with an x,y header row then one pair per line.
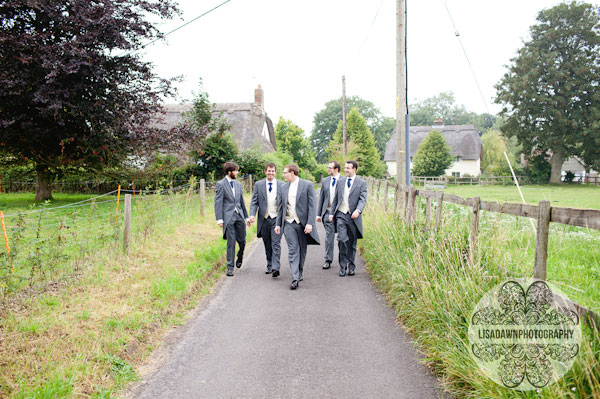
x,y
487,180
544,213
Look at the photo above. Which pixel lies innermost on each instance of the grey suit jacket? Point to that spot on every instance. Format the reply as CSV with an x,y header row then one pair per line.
x,y
325,193
306,208
357,199
225,202
259,202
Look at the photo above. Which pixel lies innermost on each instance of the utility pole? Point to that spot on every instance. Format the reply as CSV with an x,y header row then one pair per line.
x,y
401,155
344,113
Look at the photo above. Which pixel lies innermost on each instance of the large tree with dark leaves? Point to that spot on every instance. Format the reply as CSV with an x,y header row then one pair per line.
x,y
551,92
70,92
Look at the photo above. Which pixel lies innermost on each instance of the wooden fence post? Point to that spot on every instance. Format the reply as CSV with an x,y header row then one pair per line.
x,y
474,231
202,196
541,241
438,211
385,196
378,190
127,224
396,197
412,205
427,212
405,203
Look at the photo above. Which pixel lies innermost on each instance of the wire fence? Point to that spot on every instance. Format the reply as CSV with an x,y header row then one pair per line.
x,y
50,245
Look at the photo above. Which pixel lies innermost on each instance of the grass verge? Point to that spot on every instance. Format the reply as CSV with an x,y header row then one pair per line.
x,y
86,339
427,279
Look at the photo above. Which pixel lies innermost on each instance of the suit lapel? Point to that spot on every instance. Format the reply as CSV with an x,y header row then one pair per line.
x,y
355,178
228,187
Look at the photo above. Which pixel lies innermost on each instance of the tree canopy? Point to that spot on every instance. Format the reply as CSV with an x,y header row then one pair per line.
x,y
550,94
290,138
362,145
326,121
433,156
70,93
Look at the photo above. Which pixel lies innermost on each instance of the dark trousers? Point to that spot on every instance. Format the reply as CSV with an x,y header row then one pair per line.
x,y
235,231
329,237
297,242
347,236
272,243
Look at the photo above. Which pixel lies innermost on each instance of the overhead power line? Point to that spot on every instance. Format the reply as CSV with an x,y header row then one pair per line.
x,y
176,29
457,34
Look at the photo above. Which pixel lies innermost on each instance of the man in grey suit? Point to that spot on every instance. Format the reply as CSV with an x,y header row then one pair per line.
x,y
297,213
230,211
348,204
265,199
328,186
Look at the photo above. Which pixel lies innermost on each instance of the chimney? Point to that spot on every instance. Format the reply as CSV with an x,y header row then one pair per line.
x,y
259,97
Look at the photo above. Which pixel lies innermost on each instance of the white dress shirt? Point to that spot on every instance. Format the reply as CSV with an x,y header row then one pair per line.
x,y
332,189
271,199
291,214
344,206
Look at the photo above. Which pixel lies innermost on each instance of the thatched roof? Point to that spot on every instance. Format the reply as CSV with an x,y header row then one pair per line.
x,y
464,141
247,120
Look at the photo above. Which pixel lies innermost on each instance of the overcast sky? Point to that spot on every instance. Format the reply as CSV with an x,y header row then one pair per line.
x,y
299,50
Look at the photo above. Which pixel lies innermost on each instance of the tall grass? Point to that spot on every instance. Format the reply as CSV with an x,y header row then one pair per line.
x,y
426,276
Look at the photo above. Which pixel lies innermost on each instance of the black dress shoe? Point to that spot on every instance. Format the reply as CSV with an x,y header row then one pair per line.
x,y
230,273
350,272
294,285
275,273
326,265
238,265
301,278
342,271
269,270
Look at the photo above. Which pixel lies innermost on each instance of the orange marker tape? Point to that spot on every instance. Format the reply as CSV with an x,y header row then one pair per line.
x,y
12,268
118,196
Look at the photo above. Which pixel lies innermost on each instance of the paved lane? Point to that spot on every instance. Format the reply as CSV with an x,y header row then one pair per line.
x,y
255,338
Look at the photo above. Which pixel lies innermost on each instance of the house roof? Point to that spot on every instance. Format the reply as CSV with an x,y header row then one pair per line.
x,y
247,122
464,141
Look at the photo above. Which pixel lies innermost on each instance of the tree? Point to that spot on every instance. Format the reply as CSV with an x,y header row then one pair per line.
x,y
69,95
442,106
363,146
494,146
290,138
550,93
326,121
433,156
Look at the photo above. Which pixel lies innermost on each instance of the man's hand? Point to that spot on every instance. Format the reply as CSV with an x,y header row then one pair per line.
x,y
355,214
277,230
252,219
318,218
248,223
220,224
331,218
307,229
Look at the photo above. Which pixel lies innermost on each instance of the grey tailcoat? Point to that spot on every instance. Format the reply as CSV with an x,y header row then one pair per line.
x,y
325,193
259,202
225,202
357,199
306,208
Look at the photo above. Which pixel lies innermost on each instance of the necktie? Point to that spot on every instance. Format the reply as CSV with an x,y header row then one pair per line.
x,y
270,186
333,184
349,182
231,182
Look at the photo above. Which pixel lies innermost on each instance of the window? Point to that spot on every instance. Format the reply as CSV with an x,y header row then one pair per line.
x,y
456,174
457,159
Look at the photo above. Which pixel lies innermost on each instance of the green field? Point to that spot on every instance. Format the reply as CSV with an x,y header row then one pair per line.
x,y
567,195
427,278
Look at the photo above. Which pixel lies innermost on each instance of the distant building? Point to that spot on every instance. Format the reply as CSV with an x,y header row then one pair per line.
x,y
249,122
576,166
464,141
